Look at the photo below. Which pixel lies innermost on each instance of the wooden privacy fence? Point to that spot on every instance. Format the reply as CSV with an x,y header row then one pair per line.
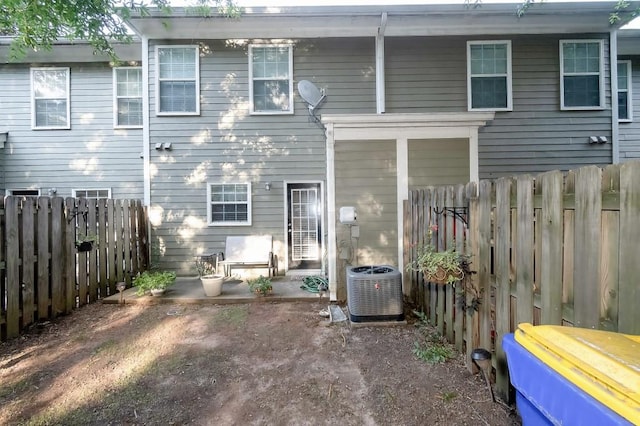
x,y
552,249
43,275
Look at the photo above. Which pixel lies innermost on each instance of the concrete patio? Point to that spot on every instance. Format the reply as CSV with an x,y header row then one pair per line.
x,y
189,290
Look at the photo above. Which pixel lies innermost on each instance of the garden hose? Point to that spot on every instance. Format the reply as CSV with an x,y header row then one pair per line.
x,y
315,284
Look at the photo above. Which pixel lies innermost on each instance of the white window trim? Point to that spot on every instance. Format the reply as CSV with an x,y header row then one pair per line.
x,y
74,191
629,119
210,222
197,79
600,76
509,76
33,99
252,111
116,97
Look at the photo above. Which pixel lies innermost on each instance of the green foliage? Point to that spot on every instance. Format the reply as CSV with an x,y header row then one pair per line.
x,y
449,265
449,396
433,348
38,24
153,280
205,266
261,285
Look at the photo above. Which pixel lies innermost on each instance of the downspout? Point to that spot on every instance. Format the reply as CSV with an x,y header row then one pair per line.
x,y
380,78
145,122
613,69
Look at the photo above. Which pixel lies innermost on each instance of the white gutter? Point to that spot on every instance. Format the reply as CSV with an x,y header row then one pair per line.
x,y
145,121
613,69
380,78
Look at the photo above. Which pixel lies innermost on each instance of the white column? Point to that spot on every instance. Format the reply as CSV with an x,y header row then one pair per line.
x,y
402,182
380,78
331,214
145,122
613,68
474,173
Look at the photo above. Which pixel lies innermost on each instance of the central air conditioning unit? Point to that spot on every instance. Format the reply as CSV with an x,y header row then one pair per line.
x,y
374,293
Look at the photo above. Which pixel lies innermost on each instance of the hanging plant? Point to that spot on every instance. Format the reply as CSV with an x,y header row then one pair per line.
x,y
85,243
440,267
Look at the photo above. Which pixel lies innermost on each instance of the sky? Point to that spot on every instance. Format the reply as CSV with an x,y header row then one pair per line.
x,y
280,3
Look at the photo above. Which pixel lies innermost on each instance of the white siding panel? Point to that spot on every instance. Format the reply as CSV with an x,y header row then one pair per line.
x,y
89,155
428,74
225,143
366,173
435,162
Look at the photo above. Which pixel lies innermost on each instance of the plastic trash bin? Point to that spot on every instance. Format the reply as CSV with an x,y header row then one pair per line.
x,y
574,376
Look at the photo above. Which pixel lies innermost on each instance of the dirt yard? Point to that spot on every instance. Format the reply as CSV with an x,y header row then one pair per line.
x,y
253,364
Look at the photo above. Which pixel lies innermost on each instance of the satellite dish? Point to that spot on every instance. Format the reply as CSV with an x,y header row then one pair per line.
x,y
311,94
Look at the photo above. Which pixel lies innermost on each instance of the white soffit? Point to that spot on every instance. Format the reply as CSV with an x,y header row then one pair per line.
x,y
629,42
354,21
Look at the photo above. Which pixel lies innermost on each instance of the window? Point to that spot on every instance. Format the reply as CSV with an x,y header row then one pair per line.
x,y
127,93
92,194
270,79
50,107
624,91
489,75
581,74
178,80
229,203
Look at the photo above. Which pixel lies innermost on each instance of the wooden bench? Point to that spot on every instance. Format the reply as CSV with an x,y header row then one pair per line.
x,y
250,251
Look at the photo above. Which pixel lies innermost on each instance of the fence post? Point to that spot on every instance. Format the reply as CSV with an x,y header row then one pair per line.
x,y
524,251
502,269
12,205
587,246
629,293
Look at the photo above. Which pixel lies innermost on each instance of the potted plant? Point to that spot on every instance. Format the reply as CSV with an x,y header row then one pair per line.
x,y
211,281
440,267
85,243
260,286
154,282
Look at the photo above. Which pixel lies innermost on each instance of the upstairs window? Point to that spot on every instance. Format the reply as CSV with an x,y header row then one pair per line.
x,y
271,79
489,75
178,80
624,91
127,93
229,203
50,107
581,74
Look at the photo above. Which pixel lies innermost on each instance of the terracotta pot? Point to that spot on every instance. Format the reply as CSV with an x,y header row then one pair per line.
x,y
212,284
441,276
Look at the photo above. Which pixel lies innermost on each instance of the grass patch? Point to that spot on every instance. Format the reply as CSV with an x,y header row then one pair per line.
x,y
20,386
105,348
235,316
432,348
449,396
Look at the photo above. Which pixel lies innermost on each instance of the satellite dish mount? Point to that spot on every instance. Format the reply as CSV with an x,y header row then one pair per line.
x,y
312,96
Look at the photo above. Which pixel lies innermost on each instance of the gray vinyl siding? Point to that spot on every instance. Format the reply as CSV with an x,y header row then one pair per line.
x,y
428,74
435,162
92,154
366,172
630,132
226,144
